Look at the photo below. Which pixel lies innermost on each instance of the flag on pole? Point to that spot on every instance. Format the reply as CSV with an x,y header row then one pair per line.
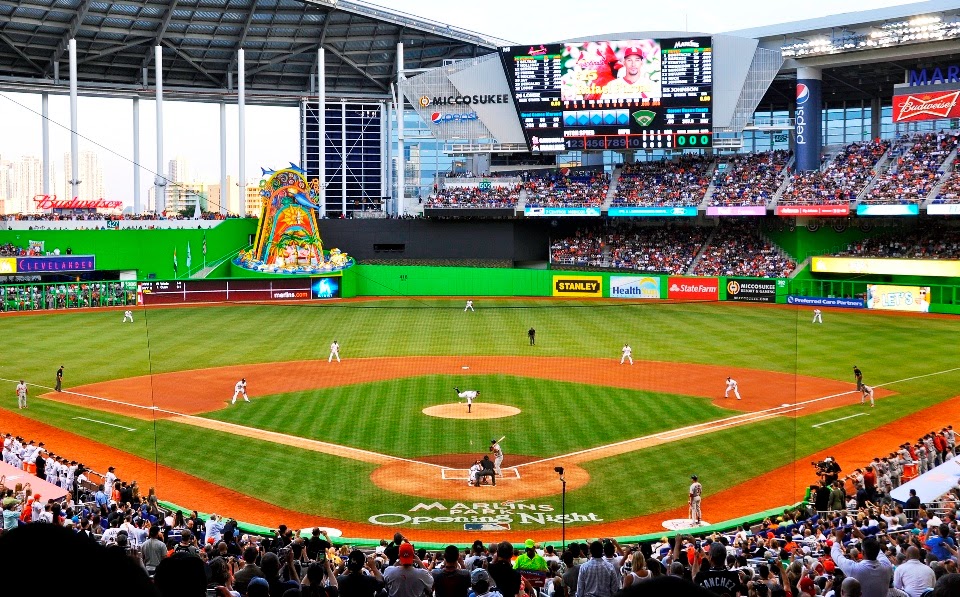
x,y
189,258
174,260
204,244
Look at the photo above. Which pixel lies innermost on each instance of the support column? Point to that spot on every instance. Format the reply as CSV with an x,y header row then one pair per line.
x,y
386,173
343,159
224,189
322,128
807,128
242,114
401,166
136,156
875,118
45,111
74,138
160,181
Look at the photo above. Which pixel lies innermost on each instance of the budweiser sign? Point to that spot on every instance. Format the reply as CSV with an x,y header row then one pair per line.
x,y
51,202
926,106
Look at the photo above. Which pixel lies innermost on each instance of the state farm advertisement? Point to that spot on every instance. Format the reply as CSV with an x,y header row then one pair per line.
x,y
813,210
702,289
926,106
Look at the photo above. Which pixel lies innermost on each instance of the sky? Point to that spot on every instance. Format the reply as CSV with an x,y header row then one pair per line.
x,y
191,130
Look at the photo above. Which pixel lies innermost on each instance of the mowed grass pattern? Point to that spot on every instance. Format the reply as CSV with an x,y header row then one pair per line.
x,y
95,346
387,416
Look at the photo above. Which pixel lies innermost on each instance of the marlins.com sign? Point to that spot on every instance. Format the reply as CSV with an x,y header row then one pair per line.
x,y
577,286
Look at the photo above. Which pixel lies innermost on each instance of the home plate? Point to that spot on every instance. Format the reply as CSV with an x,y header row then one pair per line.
x,y
464,367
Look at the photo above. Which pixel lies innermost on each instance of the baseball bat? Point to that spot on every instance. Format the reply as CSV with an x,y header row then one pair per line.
x,y
501,439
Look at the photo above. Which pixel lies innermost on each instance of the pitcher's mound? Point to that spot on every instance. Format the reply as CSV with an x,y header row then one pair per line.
x,y
480,410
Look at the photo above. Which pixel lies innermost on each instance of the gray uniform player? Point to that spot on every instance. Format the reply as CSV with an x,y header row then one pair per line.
x,y
497,456
696,490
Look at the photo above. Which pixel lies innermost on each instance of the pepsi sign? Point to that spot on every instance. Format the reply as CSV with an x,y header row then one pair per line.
x,y
438,118
803,95
807,124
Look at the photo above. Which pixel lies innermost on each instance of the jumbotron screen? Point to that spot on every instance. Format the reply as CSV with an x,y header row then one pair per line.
x,y
620,94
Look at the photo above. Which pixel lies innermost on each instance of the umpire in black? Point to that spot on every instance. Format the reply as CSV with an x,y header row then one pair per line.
x,y
486,470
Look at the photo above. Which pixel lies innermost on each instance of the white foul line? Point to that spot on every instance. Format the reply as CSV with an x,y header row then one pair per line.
x,y
104,423
835,420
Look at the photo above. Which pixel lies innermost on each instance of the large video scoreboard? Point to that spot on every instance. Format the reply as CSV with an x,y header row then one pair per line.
x,y
623,94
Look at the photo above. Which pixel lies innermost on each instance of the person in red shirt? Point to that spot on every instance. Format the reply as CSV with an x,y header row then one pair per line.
x,y
870,483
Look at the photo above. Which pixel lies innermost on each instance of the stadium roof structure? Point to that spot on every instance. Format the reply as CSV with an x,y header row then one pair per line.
x,y
200,40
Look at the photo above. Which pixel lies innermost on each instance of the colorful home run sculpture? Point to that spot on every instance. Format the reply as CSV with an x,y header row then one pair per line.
x,y
288,239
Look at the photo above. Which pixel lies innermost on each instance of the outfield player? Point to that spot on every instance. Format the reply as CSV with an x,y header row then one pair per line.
x,y
468,395
857,374
22,394
817,316
469,306
732,387
497,456
696,491
128,316
334,351
626,354
865,392
240,390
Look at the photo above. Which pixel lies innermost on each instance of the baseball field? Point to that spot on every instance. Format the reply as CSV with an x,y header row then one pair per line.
x,y
382,441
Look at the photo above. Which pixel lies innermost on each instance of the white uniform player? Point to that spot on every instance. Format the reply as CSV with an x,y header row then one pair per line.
x,y
468,395
497,456
334,351
240,390
22,394
469,306
866,391
732,387
128,316
696,490
626,354
472,475
817,316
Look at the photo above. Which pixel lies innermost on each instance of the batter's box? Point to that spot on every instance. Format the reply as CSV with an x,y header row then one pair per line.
x,y
463,474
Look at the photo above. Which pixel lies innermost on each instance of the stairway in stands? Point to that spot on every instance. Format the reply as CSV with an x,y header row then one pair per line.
x,y
612,191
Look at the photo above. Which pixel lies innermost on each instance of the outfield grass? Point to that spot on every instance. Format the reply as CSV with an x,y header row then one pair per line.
x,y
557,417
380,413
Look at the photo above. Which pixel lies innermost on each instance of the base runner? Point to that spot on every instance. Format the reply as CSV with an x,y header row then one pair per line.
x,y
866,392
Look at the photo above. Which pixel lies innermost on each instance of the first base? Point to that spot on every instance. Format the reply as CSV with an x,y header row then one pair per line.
x,y
464,367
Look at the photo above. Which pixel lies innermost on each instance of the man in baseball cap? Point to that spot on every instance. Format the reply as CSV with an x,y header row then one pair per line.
x,y
632,62
403,580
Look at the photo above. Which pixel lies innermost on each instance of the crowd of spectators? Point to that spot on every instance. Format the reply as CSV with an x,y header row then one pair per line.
x,y
661,249
849,539
950,191
915,168
927,242
749,179
664,183
840,181
584,248
12,250
553,188
738,249
75,295
475,198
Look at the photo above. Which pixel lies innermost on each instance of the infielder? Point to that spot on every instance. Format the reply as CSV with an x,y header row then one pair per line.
x,y
22,394
128,316
626,353
240,390
866,391
732,386
468,395
334,351
497,456
469,307
696,490
817,316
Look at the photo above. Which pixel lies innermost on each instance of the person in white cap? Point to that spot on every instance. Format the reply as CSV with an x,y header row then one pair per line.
x,y
334,351
817,316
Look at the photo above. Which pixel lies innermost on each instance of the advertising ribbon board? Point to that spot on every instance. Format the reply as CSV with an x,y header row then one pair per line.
x,y
704,289
752,290
898,298
53,263
888,210
813,210
635,287
734,210
571,286
653,212
561,211
940,268
825,301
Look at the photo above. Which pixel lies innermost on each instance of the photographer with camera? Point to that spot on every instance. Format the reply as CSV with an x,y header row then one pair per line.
x,y
827,469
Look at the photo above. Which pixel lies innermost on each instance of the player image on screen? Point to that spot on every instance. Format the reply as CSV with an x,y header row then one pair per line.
x,y
625,70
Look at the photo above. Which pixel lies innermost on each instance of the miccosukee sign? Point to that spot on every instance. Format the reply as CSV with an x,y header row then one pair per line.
x,y
751,290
